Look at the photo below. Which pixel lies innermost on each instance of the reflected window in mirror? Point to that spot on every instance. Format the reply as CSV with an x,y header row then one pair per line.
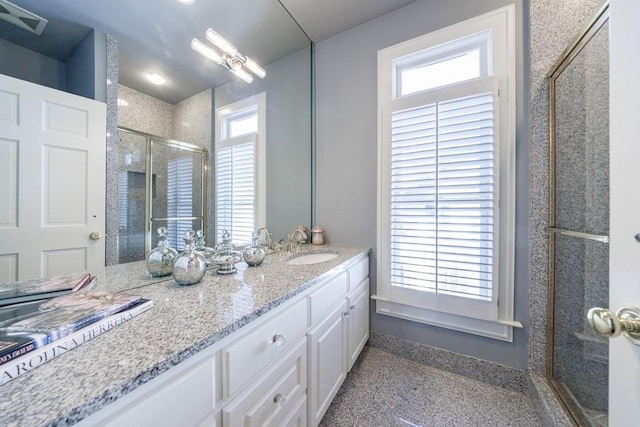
x,y
240,168
179,198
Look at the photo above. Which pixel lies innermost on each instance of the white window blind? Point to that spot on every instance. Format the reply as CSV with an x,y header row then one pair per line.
x,y
235,195
443,197
179,199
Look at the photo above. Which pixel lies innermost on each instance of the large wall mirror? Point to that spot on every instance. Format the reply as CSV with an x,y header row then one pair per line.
x,y
106,50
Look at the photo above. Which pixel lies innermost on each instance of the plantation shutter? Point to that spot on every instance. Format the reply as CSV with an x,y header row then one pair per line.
x,y
444,209
236,191
179,199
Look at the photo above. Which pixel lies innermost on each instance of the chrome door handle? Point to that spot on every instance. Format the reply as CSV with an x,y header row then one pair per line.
x,y
95,235
626,321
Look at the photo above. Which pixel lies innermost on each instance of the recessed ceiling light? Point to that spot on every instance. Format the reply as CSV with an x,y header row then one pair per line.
x,y
156,79
186,1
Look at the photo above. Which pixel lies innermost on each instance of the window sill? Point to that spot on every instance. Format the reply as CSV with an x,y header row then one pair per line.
x,y
496,329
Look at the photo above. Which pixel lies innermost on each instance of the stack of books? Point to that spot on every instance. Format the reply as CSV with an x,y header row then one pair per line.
x,y
41,289
35,332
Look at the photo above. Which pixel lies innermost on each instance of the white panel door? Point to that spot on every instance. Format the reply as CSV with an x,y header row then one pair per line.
x,y
52,181
624,288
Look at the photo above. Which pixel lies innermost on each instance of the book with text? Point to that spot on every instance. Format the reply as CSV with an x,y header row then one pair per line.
x,y
45,288
38,356
51,320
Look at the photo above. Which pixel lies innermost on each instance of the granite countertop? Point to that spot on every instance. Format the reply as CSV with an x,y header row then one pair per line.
x,y
182,321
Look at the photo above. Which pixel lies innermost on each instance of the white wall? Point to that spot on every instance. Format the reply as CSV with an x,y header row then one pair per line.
x,y
346,155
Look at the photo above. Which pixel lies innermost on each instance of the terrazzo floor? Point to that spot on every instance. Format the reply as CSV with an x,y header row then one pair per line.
x,y
386,390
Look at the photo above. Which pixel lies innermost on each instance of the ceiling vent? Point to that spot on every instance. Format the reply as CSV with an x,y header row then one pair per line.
x,y
21,18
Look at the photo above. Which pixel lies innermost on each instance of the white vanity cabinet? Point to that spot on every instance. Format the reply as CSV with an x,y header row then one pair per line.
x,y
338,333
358,311
282,369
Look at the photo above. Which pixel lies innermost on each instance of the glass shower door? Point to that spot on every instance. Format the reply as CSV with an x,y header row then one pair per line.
x,y
178,193
579,223
161,183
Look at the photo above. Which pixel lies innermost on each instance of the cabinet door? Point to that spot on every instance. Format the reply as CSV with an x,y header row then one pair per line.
x,y
358,323
327,366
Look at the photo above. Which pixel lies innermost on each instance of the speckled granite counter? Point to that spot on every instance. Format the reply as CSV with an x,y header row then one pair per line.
x,y
183,321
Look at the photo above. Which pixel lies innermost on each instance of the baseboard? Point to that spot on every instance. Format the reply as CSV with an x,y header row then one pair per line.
x,y
468,366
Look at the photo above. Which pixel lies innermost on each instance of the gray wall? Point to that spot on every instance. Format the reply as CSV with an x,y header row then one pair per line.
x,y
25,64
287,85
84,73
346,156
86,67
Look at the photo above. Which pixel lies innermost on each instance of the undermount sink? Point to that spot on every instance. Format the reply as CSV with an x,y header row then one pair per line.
x,y
313,258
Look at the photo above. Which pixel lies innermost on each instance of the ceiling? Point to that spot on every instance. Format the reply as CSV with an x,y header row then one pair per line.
x,y
155,35
323,19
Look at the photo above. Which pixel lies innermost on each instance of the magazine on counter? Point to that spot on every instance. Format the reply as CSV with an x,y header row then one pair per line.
x,y
51,320
23,363
44,288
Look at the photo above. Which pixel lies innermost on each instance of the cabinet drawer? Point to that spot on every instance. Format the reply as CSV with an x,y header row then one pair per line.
x,y
325,299
358,273
253,351
298,417
276,396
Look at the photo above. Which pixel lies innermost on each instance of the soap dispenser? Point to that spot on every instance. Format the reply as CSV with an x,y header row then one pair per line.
x,y
160,260
190,266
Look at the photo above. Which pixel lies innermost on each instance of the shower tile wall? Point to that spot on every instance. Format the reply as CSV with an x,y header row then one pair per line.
x,y
111,240
188,121
145,113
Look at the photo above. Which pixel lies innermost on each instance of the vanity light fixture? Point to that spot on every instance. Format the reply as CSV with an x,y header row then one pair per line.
x,y
229,58
156,79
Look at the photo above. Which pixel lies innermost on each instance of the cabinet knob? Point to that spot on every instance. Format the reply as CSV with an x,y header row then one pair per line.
x,y
279,399
346,314
352,307
279,339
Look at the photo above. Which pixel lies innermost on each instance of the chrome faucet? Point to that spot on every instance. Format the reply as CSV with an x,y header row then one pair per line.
x,y
268,238
297,237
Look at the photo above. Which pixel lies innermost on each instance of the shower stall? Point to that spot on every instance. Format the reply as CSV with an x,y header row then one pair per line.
x,y
161,183
579,222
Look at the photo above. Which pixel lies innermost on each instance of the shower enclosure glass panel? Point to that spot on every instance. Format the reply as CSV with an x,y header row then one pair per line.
x,y
179,187
162,183
579,222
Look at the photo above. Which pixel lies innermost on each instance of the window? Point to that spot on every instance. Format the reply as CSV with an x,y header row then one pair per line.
x,y
240,169
446,177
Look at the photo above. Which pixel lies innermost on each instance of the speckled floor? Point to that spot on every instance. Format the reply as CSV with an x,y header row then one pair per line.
x,y
386,390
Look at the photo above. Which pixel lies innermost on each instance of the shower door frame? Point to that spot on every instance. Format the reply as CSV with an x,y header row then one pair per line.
x,y
150,139
565,59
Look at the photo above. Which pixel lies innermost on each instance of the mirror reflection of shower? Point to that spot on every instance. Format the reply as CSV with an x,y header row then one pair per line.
x,y
161,183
